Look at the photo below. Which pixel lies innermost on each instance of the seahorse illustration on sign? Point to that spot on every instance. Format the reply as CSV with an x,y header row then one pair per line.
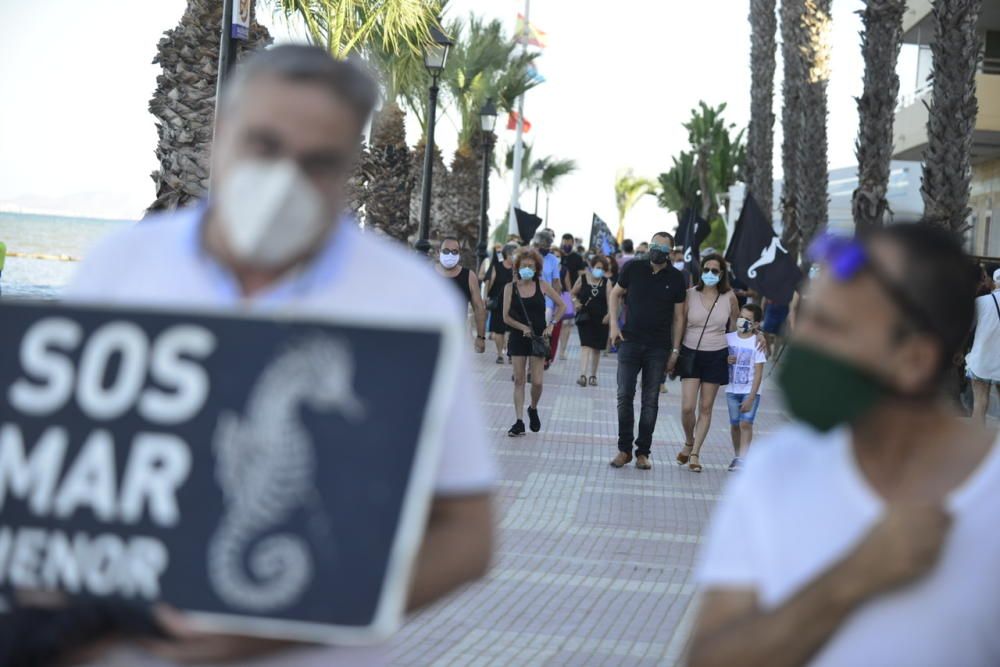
x,y
767,257
265,466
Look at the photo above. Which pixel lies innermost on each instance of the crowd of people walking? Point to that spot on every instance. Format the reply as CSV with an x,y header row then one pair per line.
x,y
643,306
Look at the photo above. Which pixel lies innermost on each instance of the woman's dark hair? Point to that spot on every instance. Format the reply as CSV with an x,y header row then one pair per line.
x,y
758,314
723,285
600,259
939,279
613,267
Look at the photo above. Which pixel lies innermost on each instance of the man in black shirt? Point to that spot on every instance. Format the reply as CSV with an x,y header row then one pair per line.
x,y
654,294
571,261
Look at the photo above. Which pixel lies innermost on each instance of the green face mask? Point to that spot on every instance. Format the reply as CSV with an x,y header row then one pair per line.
x,y
823,391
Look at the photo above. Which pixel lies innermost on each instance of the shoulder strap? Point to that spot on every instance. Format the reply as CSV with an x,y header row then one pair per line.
x,y
520,300
996,304
707,318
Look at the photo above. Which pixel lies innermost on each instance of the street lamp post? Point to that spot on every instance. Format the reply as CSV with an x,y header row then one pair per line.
x,y
434,59
487,123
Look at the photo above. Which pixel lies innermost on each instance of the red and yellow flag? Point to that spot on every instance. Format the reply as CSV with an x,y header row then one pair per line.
x,y
512,122
528,34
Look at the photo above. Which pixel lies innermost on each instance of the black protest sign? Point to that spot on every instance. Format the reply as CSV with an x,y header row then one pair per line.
x,y
527,224
759,259
268,476
692,231
602,241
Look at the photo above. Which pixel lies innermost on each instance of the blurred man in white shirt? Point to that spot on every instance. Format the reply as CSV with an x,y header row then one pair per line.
x,y
273,237
865,534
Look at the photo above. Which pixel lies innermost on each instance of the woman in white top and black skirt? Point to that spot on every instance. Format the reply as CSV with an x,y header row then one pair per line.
x,y
711,310
530,333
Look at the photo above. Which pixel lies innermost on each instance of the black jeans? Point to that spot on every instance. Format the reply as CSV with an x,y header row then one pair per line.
x,y
652,362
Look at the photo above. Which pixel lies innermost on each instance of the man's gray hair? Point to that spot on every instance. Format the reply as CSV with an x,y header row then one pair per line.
x,y
544,236
345,80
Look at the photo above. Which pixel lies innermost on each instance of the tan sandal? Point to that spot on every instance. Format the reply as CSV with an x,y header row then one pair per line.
x,y
694,466
682,458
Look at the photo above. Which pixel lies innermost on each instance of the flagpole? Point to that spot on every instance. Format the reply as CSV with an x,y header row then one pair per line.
x,y
515,199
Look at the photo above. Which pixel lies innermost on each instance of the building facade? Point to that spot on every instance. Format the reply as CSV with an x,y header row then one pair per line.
x,y
910,133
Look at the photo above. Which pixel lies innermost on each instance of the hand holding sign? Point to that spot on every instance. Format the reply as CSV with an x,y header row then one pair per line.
x,y
208,462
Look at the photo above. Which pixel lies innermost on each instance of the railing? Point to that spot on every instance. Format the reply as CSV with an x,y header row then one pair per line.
x,y
988,66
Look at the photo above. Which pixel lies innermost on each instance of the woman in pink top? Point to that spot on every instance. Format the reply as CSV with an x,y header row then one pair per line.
x,y
711,310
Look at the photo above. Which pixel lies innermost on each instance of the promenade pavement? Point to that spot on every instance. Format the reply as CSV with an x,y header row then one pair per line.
x,y
593,565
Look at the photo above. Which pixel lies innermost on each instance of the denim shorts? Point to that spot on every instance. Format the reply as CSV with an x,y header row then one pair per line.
x,y
735,416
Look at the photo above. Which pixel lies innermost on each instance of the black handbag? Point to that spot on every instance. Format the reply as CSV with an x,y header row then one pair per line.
x,y
685,362
539,344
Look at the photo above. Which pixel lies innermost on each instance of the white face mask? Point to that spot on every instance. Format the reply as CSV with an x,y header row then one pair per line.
x,y
270,212
679,265
448,261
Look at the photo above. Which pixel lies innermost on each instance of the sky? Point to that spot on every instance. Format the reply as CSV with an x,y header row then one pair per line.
x,y
76,78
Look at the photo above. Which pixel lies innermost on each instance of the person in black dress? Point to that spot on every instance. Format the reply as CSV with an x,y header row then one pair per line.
x,y
591,295
449,266
498,276
524,315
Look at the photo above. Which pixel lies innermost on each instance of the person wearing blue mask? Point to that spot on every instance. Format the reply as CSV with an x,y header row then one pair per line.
x,y
590,292
864,533
530,328
710,310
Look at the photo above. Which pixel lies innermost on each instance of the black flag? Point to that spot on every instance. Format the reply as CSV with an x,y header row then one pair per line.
x,y
602,241
527,224
692,231
758,258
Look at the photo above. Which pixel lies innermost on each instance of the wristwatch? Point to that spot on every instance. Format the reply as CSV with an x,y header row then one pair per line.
x,y
675,351
481,337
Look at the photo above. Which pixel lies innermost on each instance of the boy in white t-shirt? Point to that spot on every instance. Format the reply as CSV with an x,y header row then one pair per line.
x,y
746,372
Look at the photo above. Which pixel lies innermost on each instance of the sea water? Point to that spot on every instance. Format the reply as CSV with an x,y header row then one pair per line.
x,y
31,278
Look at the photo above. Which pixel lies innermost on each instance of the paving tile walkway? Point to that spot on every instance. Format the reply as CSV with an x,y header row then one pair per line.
x,y
593,565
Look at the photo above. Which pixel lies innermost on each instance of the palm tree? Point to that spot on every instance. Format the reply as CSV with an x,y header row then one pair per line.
x,y
387,170
184,101
813,202
791,121
679,187
551,173
881,40
719,156
629,189
484,63
760,135
956,50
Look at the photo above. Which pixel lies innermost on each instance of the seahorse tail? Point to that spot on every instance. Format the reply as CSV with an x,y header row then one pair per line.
x,y
274,574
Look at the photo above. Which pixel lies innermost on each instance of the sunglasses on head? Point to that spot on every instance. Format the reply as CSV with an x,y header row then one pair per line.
x,y
846,258
449,251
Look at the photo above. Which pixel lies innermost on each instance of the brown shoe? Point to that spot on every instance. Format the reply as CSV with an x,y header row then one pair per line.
x,y
622,459
642,462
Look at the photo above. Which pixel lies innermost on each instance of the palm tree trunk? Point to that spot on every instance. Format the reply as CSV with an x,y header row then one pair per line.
x,y
791,121
881,40
462,217
184,101
760,140
814,200
956,49
388,176
439,192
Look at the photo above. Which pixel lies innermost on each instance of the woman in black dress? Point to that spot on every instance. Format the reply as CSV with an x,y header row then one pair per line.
x,y
591,295
498,276
524,315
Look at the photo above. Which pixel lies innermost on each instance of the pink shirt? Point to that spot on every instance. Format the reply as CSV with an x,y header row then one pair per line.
x,y
698,306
